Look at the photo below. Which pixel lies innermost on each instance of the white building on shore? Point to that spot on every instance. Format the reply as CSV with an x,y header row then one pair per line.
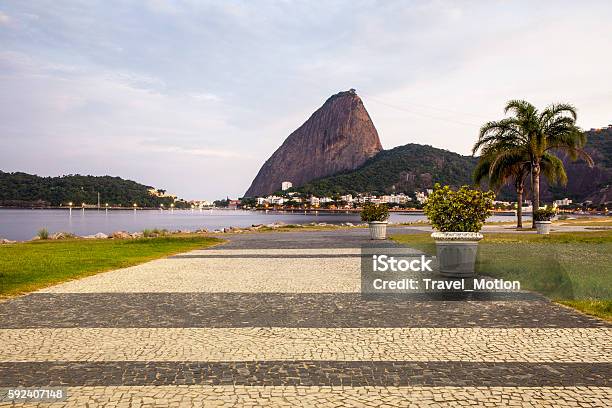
x,y
565,201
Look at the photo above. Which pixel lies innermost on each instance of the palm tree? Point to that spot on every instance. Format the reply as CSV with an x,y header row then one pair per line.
x,y
503,169
535,135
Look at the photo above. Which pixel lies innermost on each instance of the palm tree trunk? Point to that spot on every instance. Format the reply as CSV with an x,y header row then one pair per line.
x,y
519,208
535,189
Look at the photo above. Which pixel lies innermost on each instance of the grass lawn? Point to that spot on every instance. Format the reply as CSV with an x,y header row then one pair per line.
x,y
587,223
28,266
571,268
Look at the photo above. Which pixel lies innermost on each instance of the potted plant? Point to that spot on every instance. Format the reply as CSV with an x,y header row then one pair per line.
x,y
376,216
542,218
458,217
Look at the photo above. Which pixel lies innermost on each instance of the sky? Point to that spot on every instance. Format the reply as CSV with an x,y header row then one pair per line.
x,y
193,96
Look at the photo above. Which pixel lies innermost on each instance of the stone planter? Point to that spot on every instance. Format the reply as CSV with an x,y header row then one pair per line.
x,y
457,253
543,227
378,229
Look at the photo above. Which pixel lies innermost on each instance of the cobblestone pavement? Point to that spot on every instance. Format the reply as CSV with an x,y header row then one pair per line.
x,y
336,344
335,396
326,310
277,319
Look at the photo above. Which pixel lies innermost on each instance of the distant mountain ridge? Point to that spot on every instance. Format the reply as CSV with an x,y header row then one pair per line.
x,y
24,190
403,169
339,136
337,151
414,167
585,183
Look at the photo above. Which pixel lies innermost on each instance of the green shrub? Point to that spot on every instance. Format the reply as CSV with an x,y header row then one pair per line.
x,y
544,214
154,233
43,233
464,210
374,212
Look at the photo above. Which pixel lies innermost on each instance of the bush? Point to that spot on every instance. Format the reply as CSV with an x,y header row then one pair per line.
x,y
544,214
464,210
374,212
43,233
154,233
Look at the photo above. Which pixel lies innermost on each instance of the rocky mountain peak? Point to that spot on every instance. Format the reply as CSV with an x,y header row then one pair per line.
x,y
339,136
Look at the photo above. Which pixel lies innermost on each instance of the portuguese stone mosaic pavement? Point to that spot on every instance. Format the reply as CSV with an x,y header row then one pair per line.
x,y
277,320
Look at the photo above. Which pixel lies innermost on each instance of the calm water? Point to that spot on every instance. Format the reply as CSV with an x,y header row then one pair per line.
x,y
23,224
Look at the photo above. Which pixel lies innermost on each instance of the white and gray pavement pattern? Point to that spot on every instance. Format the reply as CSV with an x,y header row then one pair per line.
x,y
277,320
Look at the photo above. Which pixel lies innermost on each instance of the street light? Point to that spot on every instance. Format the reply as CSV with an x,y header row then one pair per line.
x,y
135,205
70,208
106,208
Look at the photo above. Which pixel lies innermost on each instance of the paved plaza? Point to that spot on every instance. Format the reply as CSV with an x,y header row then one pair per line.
x,y
278,319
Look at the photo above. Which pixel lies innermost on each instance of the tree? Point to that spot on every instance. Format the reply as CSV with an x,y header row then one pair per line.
x,y
499,170
536,136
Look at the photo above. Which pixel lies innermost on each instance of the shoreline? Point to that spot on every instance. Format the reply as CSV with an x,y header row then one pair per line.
x,y
282,210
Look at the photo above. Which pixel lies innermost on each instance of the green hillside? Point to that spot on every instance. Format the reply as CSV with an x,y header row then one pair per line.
x,y
21,189
601,141
414,167
402,169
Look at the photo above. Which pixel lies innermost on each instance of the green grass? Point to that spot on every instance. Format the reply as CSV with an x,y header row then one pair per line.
x,y
571,268
599,308
29,266
585,222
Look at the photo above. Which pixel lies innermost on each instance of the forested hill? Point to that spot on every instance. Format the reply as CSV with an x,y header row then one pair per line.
x,y
21,189
402,169
415,167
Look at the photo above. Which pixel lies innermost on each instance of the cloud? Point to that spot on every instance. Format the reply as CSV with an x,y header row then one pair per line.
x,y
207,87
225,154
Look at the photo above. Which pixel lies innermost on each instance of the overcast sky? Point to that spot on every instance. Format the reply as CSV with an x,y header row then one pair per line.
x,y
194,96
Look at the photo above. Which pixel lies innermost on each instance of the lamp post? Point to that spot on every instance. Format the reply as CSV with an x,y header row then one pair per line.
x,y
70,208
172,208
161,207
135,206
106,208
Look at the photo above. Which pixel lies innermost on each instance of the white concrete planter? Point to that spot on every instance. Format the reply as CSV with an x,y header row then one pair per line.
x,y
543,227
378,229
457,253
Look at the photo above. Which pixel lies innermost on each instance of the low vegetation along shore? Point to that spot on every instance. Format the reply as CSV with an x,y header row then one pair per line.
x,y
28,266
570,268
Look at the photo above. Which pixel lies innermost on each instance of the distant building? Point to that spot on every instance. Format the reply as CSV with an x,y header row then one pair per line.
x,y
420,197
201,203
275,200
233,204
286,185
395,199
314,201
348,198
565,201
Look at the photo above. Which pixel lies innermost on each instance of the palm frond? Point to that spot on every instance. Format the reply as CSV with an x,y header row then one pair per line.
x,y
552,168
